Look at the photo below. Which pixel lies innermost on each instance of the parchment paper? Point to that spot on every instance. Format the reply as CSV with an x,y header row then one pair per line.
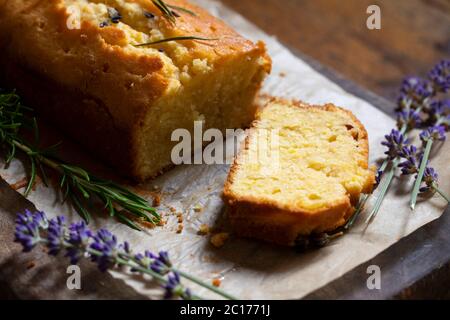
x,y
250,269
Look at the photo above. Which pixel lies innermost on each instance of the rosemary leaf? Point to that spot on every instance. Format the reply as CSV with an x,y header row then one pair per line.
x,y
128,222
165,10
43,174
180,38
32,176
80,208
192,13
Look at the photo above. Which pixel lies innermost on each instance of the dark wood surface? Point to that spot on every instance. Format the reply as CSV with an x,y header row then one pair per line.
x,y
414,35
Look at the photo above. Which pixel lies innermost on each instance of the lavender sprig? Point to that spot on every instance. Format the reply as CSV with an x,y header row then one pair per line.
x,y
395,142
103,248
416,108
428,137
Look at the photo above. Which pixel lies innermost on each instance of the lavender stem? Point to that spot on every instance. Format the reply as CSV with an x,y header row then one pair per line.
x,y
446,197
384,189
419,179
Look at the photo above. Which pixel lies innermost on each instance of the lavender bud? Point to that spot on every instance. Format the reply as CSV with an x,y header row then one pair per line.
x,y
440,76
436,133
430,178
28,227
414,92
395,141
56,235
410,118
106,244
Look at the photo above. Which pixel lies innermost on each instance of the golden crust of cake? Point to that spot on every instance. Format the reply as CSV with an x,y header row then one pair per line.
x,y
321,171
75,47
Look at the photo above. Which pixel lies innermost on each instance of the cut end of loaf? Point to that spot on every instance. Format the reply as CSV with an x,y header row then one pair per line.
x,y
222,97
305,178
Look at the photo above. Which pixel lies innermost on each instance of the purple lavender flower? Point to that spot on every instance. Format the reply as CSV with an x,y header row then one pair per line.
x,y
410,118
145,259
56,235
430,178
124,251
441,106
411,163
159,267
105,243
158,263
395,142
27,229
440,76
436,133
414,92
440,113
79,236
378,177
174,288
164,258
79,241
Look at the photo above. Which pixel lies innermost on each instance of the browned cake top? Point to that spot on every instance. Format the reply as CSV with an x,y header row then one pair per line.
x,y
93,45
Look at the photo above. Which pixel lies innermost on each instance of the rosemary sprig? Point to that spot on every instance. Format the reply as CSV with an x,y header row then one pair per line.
x,y
103,248
192,13
77,184
180,38
165,10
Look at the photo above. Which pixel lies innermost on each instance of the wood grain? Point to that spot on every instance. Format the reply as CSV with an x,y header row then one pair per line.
x,y
415,34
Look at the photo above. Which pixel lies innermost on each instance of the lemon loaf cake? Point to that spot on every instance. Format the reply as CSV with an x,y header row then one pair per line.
x,y
301,172
119,76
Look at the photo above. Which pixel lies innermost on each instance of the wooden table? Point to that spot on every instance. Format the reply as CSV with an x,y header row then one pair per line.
x,y
414,36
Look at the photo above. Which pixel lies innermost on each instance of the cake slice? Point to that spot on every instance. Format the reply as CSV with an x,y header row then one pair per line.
x,y
301,172
84,65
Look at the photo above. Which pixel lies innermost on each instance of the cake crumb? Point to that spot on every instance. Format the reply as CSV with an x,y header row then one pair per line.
x,y
157,200
216,282
147,224
22,183
180,228
198,207
282,74
180,217
204,230
161,223
172,209
218,240
31,265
